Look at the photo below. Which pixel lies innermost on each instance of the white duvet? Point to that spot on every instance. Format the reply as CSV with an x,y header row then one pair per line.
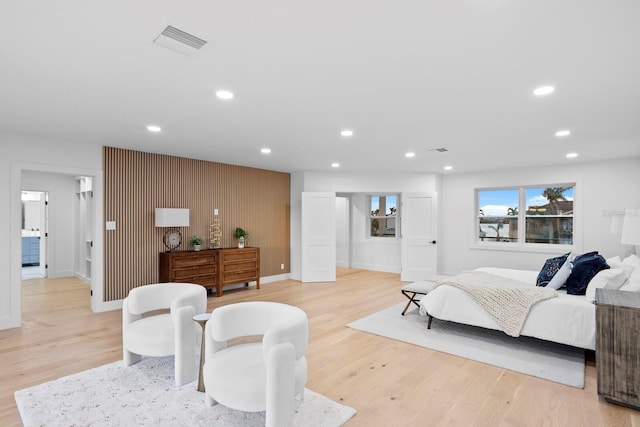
x,y
567,319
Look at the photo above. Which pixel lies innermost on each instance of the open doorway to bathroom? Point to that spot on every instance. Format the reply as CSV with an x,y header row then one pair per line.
x,y
35,219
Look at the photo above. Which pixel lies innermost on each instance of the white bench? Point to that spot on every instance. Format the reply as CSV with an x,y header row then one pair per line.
x,y
416,290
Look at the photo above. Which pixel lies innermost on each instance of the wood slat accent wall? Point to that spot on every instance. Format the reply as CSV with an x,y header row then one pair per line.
x,y
136,183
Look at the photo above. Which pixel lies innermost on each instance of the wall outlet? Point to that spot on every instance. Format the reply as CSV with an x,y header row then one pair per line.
x,y
281,266
111,225
215,211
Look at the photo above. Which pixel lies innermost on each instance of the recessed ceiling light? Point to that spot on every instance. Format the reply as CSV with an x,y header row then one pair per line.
x,y
448,168
572,155
265,150
410,154
563,133
335,165
154,129
543,90
347,132
224,94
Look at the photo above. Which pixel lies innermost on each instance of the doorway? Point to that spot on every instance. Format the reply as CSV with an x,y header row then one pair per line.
x,y
56,228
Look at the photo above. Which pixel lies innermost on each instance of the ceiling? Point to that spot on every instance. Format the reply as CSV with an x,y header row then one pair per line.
x,y
404,75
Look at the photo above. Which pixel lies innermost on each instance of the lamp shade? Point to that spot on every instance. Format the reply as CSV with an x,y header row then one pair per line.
x,y
172,217
631,227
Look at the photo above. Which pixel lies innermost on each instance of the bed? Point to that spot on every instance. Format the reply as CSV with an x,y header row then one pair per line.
x,y
565,319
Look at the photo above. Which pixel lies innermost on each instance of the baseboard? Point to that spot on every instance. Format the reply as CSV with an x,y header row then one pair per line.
x,y
275,278
58,274
108,306
9,322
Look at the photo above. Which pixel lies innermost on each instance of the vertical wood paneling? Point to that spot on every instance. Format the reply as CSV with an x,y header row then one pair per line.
x,y
136,183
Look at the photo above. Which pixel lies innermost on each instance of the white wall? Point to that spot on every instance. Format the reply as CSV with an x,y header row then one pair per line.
x,y
295,224
602,188
61,241
19,153
365,253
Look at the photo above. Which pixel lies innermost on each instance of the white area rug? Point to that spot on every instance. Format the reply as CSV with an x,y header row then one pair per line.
x,y
145,394
555,362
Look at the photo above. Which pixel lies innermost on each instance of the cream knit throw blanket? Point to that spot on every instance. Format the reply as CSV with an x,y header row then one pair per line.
x,y
508,301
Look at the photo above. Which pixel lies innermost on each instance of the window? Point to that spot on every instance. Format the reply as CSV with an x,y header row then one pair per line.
x,y
383,216
498,215
549,215
545,211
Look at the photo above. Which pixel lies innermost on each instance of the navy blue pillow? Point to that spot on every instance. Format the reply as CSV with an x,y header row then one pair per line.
x,y
583,269
549,269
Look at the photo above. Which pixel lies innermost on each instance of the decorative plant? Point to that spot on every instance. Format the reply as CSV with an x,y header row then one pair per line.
x,y
240,233
196,240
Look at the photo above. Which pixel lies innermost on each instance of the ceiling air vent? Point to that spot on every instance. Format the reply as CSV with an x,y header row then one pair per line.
x,y
439,150
179,41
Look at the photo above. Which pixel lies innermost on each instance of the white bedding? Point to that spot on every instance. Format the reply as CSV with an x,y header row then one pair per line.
x,y
567,319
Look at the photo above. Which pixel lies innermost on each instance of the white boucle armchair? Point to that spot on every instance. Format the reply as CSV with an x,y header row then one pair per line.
x,y
257,376
163,334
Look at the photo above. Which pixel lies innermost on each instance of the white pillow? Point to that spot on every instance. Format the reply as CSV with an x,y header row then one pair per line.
x,y
631,286
632,260
560,278
616,263
611,278
613,261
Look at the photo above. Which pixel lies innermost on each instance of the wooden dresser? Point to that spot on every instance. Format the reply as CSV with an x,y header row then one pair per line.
x,y
618,346
238,266
211,268
199,267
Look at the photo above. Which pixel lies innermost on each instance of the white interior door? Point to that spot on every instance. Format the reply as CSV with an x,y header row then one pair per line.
x,y
318,237
419,236
343,232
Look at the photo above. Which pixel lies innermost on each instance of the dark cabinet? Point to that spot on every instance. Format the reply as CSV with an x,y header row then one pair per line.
x,y
31,250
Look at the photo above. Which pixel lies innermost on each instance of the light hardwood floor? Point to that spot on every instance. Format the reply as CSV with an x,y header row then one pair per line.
x,y
389,383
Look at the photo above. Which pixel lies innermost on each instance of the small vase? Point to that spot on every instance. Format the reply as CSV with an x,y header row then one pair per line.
x,y
241,242
196,247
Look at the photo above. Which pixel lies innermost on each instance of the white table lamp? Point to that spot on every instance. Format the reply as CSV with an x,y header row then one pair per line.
x,y
172,217
631,227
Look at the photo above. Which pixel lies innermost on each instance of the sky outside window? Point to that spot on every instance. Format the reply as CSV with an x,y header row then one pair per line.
x,y
375,204
497,202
